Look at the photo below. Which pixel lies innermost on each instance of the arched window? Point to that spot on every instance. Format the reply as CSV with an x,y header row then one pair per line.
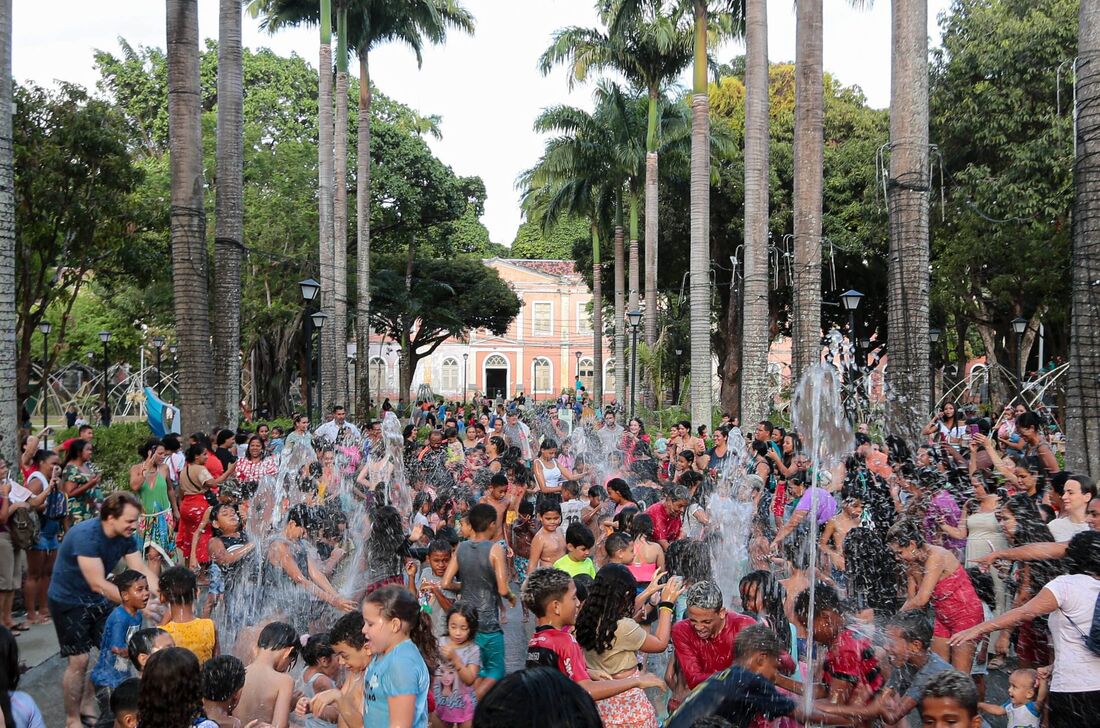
x,y
496,361
377,374
585,370
608,377
542,375
448,375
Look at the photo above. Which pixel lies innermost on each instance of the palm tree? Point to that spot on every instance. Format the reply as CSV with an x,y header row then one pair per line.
x,y
907,276
336,372
9,407
229,214
755,315
191,299
650,51
1083,401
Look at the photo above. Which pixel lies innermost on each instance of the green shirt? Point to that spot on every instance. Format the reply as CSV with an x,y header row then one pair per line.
x,y
574,568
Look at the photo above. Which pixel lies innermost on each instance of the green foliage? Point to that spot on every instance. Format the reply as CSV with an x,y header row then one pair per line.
x,y
556,244
115,450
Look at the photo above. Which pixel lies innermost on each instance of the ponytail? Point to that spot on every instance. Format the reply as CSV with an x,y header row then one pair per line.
x,y
424,638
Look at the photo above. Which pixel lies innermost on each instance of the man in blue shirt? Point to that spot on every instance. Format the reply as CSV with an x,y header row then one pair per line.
x,y
80,596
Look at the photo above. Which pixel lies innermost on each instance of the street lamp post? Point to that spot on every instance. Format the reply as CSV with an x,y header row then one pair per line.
x,y
105,336
577,354
318,318
634,319
45,328
850,300
465,369
1019,325
172,349
676,389
309,288
934,337
535,383
158,344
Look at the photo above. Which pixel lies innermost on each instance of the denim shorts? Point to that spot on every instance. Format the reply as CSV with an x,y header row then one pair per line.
x,y
48,537
217,580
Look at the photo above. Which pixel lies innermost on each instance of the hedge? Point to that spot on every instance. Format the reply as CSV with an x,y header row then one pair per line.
x,y
115,450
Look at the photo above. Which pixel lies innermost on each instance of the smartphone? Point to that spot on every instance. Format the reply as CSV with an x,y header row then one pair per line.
x,y
972,430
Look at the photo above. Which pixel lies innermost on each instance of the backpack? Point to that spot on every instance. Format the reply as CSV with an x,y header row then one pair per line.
x,y
57,505
23,528
1092,639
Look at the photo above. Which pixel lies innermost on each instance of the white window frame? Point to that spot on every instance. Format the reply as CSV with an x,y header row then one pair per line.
x,y
381,379
608,373
444,385
591,366
584,319
534,318
544,364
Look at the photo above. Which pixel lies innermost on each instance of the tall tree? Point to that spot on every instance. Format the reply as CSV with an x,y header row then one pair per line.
x,y
229,215
755,320
9,408
809,156
1083,410
339,320
191,296
907,189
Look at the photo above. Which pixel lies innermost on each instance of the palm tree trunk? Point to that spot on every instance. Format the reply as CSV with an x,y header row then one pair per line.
x,y
325,180
336,371
362,221
1083,401
635,278
907,276
620,308
809,153
191,297
699,269
229,214
597,319
651,222
755,321
9,406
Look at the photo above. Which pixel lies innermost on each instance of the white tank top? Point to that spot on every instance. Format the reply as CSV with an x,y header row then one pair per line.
x,y
552,476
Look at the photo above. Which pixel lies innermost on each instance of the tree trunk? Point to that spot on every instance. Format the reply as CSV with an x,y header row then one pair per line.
x,y
907,190
1083,389
362,221
635,282
336,370
597,318
651,223
620,313
699,285
229,214
754,323
732,395
809,151
9,406
191,298
325,180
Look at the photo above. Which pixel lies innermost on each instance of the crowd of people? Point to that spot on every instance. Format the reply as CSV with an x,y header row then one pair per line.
x,y
338,576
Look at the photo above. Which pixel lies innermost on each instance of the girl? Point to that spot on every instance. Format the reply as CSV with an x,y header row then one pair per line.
x,y
422,506
937,577
144,643
619,492
171,691
838,528
387,547
322,671
947,426
549,473
397,681
648,556
178,589
452,684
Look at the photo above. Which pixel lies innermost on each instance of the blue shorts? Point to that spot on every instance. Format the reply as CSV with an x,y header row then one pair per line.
x,y
492,654
217,581
48,536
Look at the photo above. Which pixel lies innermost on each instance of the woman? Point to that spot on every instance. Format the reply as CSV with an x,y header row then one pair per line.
x,y
80,481
196,487
611,640
947,426
648,555
471,438
685,463
160,513
300,436
52,506
17,708
12,560
549,474
696,517
1071,601
635,434
255,464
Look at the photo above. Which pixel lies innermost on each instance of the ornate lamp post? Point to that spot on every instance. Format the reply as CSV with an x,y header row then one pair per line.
x,y
465,369
158,344
934,335
105,336
634,320
309,288
45,328
1019,325
318,319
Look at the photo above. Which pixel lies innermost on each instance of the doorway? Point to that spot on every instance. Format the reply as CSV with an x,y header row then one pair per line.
x,y
496,383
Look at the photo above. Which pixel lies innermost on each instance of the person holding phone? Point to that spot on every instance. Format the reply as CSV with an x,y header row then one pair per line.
x,y
947,426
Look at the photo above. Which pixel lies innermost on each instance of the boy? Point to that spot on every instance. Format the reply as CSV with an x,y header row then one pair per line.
x,y
222,683
350,645
1026,694
548,545
479,572
950,700
552,595
578,542
113,667
430,591
745,694
268,689
124,703
496,495
572,508
620,549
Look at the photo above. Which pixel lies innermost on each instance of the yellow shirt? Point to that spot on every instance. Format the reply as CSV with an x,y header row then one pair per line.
x,y
197,635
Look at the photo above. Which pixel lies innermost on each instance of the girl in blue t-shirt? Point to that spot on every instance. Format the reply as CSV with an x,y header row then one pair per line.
x,y
395,686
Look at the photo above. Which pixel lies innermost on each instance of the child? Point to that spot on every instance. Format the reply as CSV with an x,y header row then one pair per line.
x,y
620,549
457,671
496,495
745,692
171,691
124,703
578,542
397,680
594,513
429,592
178,589
950,700
222,683
349,643
1026,694
112,668
322,671
144,643
552,595
548,545
478,572
571,505
422,506
267,688
523,532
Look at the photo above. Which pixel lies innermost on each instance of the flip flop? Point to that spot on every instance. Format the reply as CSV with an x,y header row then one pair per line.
x,y
21,627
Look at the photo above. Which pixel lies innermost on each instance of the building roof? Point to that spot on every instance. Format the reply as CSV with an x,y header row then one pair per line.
x,y
561,268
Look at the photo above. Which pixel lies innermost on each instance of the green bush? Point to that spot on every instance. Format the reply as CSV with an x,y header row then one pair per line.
x,y
115,450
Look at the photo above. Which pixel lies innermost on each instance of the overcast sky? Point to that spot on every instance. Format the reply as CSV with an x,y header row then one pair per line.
x,y
486,87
